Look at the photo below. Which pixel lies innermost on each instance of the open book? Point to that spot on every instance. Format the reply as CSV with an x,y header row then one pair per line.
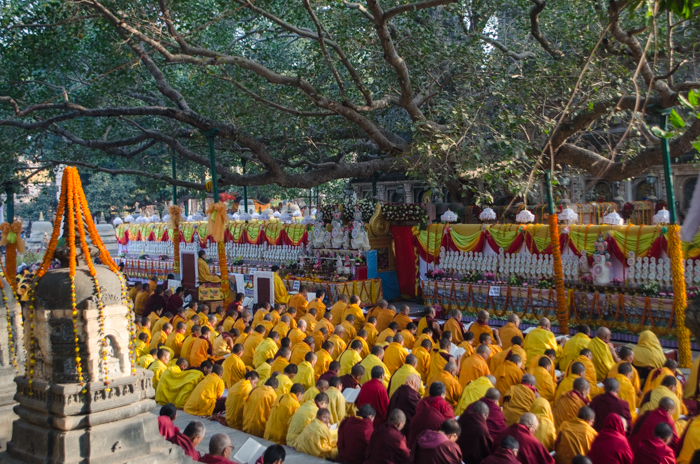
x,y
249,452
351,394
247,301
456,351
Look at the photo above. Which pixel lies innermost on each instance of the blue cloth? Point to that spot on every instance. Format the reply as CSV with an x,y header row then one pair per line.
x,y
371,259
390,285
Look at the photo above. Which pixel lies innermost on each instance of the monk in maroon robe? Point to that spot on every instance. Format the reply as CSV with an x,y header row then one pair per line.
x,y
354,434
431,412
505,454
611,446
647,422
655,450
531,451
475,440
388,445
374,392
438,447
166,427
189,439
406,399
609,403
496,421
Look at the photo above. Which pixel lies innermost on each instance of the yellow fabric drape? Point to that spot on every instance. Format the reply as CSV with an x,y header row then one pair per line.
x,y
648,351
602,358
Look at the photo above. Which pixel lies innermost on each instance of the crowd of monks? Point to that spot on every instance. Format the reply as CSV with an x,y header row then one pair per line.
x,y
498,400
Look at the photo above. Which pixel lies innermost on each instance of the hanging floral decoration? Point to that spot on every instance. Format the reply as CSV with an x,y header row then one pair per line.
x,y
13,243
174,225
216,228
11,340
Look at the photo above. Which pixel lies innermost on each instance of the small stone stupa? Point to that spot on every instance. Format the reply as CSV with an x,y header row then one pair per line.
x,y
107,234
82,400
38,232
11,358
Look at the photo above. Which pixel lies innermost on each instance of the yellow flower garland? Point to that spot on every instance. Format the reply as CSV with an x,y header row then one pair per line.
x,y
562,313
675,252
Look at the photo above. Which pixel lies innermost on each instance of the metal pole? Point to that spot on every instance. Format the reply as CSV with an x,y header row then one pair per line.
x,y
245,189
374,184
174,165
665,150
550,200
10,204
210,135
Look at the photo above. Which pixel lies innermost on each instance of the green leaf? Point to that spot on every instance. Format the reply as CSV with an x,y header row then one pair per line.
x,y
685,102
676,120
693,98
658,132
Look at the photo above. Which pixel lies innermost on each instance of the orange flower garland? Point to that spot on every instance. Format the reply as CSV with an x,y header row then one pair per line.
x,y
675,252
11,340
223,267
562,313
174,226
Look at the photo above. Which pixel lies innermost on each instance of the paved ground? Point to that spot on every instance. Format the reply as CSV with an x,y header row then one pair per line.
x,y
237,438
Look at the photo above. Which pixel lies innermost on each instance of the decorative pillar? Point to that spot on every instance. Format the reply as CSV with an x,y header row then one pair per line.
x,y
408,192
381,192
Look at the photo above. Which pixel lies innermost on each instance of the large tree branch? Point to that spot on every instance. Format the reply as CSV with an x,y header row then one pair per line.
x,y
390,13
537,33
499,45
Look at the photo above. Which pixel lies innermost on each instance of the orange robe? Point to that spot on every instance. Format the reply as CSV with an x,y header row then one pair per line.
x,y
507,375
199,352
452,386
636,383
566,408
384,318
310,323
279,364
295,336
408,339
381,338
456,329
545,385
325,323
337,312
356,311
257,409
372,334
575,437
472,368
516,402
299,303
339,345
506,333
234,370
402,320
235,401
498,358
477,329
423,367
350,332
299,353
394,356
590,373
251,342
365,347
319,306
323,360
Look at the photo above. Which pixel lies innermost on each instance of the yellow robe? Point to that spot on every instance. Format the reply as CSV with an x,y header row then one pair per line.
x,y
279,364
320,308
691,443
506,333
519,399
575,437
203,398
157,367
158,325
133,291
317,440
264,351
220,347
145,361
402,320
203,272
565,386
628,393
295,336
257,410
299,353
357,312
384,318
454,389
661,392
368,363
281,295
141,348
310,395
189,313
140,302
437,362
572,349
175,386
234,370
299,302
310,323
347,360
591,375
300,419
394,356
365,347
381,338
235,401
399,378
545,385
472,368
472,393
478,329
338,346
319,339
268,327
146,331
507,375
455,328
252,342
566,407
284,385
337,312
158,339
372,334
602,358
648,351
228,324
498,358
408,339
538,341
350,332
305,375
282,411
336,405
650,383
323,360
692,387
258,316
264,371
174,342
546,433
186,347
636,383
188,327
423,362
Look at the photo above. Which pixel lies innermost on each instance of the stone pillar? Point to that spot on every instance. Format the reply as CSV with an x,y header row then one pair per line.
x,y
64,422
11,360
408,192
381,192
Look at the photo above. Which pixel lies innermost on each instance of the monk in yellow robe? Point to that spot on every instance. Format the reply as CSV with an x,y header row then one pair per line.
x,y
237,397
191,310
264,370
350,357
281,359
474,366
388,332
203,270
267,323
403,318
310,319
575,371
481,326
325,322
543,378
324,358
604,356
627,357
668,388
304,415
297,334
690,442
176,385
282,327
452,387
656,376
337,341
281,412
251,343
626,390
203,398
158,324
306,375
147,359
409,335
439,356
403,373
473,392
222,345
515,348
190,325
175,339
299,302
338,308
310,393
395,354
186,347
572,348
301,349
349,325
140,300
422,353
362,338
374,359
201,347
145,328
266,349
372,332
161,336
317,439
508,374
510,330
159,365
354,309
567,406
337,405
518,399
320,337
540,339
317,304
234,367
385,316
284,380
575,437
546,433
141,347
454,325
256,410
648,352
281,295
552,355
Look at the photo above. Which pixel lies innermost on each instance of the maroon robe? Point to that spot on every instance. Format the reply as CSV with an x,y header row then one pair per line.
x,y
354,434
406,399
387,446
348,381
166,427
327,376
435,448
475,440
611,446
152,302
501,456
374,393
531,450
433,324
183,442
233,306
496,421
431,412
645,425
607,403
174,303
654,451
209,459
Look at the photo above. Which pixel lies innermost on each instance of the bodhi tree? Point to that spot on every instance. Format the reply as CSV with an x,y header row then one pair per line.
x,y
469,94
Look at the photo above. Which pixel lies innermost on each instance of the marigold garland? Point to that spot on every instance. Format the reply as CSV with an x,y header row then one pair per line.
x,y
675,253
174,226
223,268
11,341
562,313
13,243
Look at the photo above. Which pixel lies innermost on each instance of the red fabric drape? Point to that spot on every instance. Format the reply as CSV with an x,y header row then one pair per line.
x,y
405,259
659,245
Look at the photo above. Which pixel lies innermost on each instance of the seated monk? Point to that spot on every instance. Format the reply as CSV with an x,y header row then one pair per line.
x,y
439,447
338,308
202,401
395,354
306,374
439,357
390,331
575,371
572,348
303,417
349,326
336,401
454,325
656,376
473,392
543,377
337,340
530,451
176,384
283,326
301,349
496,422
422,353
406,398
203,274
237,397
310,393
281,295
668,388
324,357
144,328
475,441
626,355
646,423
689,444
431,412
234,368
510,330
384,316
284,380
325,320
374,392
189,439
586,358
333,371
485,339
354,434
375,359
350,357
251,343
256,410
201,349
388,444
166,427
160,337
223,344
546,433
648,354
299,301
575,437
403,318
408,334
354,309
310,319
175,338
627,392
146,360
505,453
519,398
608,403
516,347
552,355
540,339
656,450
281,358
141,347
429,321
317,304
266,349
481,326
362,337
282,411
568,405
317,439
297,334
509,373
453,390
402,373
604,356
220,449
159,365
475,366
611,446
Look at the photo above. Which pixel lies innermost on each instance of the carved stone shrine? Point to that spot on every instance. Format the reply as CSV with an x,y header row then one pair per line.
x,y
11,359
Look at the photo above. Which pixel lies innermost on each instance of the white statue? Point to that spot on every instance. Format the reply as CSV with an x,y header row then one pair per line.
x,y
360,239
337,238
319,235
601,258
